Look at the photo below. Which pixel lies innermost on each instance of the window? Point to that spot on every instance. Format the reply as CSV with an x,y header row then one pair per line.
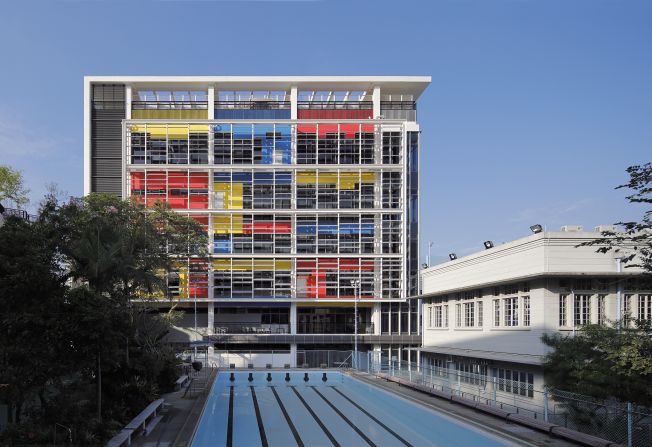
x,y
473,373
582,310
603,284
469,314
563,301
645,307
430,317
446,315
526,311
627,299
515,382
458,315
601,301
525,287
496,313
480,312
510,289
439,320
511,311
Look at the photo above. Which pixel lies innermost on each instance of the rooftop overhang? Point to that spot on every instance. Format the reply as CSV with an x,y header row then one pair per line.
x,y
407,85
527,359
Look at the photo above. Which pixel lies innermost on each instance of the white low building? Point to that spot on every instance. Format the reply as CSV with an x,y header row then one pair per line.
x,y
485,313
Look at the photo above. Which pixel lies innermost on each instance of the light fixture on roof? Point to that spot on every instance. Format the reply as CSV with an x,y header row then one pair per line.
x,y
536,228
452,256
424,266
488,245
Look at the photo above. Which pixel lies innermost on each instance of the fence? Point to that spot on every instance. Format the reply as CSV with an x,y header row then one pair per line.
x,y
619,422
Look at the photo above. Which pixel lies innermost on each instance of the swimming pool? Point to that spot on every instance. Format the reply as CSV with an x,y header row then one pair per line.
x,y
289,410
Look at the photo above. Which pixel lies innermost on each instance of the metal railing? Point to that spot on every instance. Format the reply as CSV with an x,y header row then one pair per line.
x,y
398,105
21,214
261,104
169,105
251,328
616,421
335,105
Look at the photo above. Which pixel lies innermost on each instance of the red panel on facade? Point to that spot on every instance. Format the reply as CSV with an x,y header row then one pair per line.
x,y
198,180
267,228
199,202
304,114
137,180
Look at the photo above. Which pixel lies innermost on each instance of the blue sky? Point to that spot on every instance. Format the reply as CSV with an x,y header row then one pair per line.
x,y
535,110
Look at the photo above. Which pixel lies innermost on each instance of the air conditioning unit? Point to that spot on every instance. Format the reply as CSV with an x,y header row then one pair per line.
x,y
572,228
602,228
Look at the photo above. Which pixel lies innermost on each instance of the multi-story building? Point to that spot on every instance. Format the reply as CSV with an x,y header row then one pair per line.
x,y
306,186
484,314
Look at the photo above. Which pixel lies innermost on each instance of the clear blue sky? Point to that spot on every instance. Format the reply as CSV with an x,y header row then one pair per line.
x,y
535,110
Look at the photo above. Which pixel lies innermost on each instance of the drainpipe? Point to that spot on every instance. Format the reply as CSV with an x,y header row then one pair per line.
x,y
619,269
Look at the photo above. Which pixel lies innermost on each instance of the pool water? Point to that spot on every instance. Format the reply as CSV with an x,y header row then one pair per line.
x,y
341,411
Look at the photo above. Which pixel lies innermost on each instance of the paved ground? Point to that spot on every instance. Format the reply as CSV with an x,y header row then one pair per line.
x,y
183,409
518,433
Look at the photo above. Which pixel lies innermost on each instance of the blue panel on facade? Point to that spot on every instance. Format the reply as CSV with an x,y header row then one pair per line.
x,y
222,246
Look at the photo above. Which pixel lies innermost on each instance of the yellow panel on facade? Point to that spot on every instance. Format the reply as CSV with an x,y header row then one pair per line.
x,y
222,264
235,197
263,264
169,114
241,264
284,264
222,224
306,177
183,282
238,224
368,177
348,180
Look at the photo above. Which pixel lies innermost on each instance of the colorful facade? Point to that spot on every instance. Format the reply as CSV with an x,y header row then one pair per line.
x,y
307,188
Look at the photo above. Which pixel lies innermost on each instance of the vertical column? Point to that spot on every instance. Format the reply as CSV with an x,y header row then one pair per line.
x,y
293,318
211,102
375,318
210,318
128,101
293,355
294,97
376,101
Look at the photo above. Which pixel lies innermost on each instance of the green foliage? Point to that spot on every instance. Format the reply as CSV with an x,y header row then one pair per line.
x,y
79,343
12,186
634,244
605,362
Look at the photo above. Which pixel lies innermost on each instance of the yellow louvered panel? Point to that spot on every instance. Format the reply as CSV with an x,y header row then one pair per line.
x,y
285,264
169,114
222,224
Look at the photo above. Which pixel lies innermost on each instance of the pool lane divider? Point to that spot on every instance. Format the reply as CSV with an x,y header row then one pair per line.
x,y
316,418
259,419
229,426
293,429
351,424
372,417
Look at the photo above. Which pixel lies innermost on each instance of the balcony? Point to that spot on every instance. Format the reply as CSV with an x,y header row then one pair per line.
x,y
251,328
333,328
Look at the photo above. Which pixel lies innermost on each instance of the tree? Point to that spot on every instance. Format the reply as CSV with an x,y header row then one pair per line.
x,y
612,361
603,361
77,331
12,186
634,243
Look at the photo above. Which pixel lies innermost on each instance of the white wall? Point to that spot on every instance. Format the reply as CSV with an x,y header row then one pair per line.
x,y
536,255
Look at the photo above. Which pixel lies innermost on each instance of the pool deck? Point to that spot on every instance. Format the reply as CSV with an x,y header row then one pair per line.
x,y
514,432
183,413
